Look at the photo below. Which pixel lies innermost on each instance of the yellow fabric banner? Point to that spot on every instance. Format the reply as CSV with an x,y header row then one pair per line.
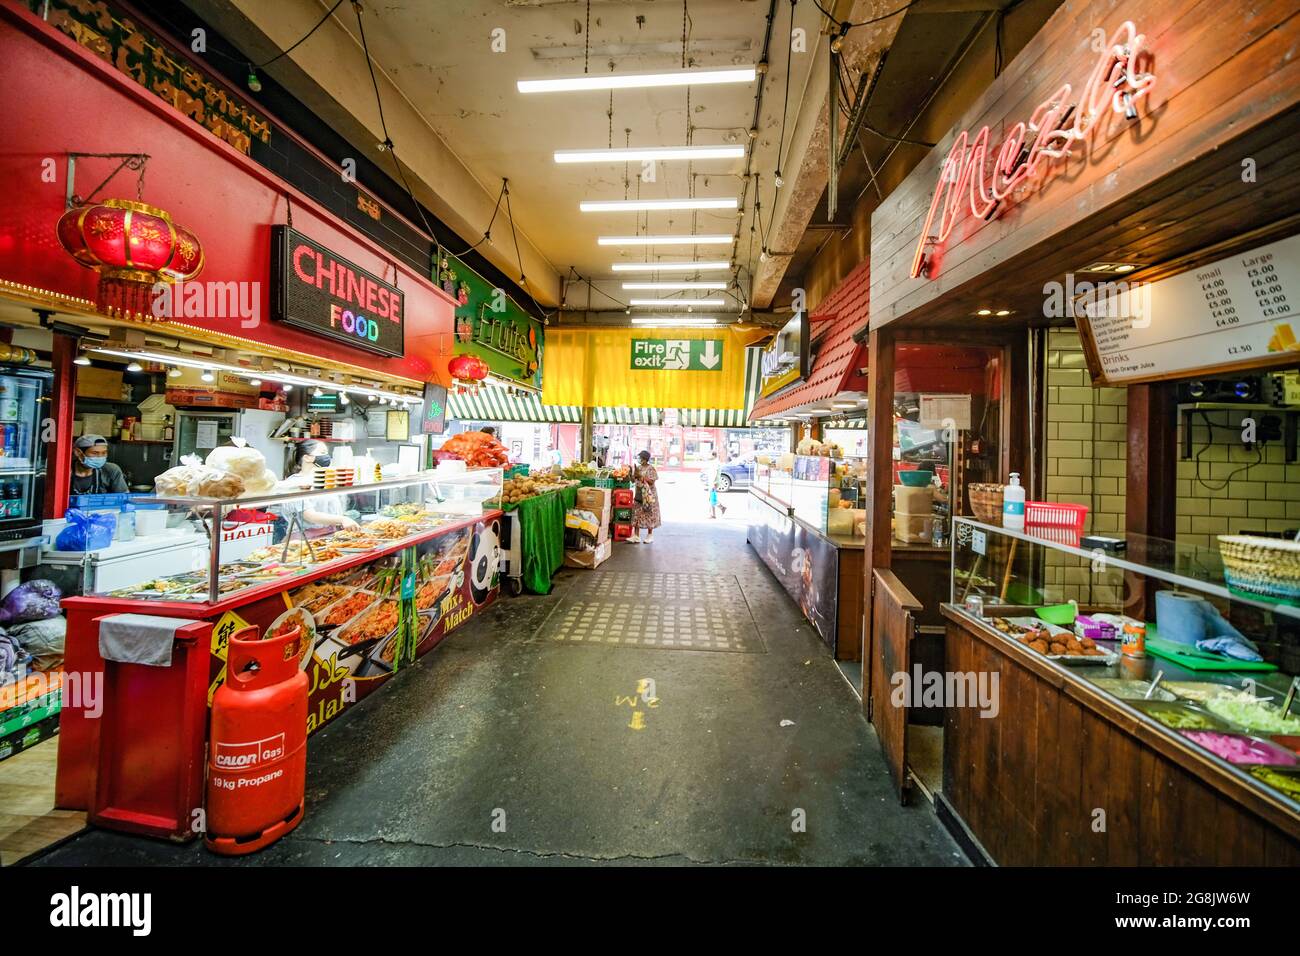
x,y
646,367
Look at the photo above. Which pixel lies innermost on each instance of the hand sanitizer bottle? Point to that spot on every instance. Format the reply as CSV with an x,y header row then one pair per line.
x,y
1013,504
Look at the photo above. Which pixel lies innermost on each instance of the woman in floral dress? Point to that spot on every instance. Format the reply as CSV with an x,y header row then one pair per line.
x,y
646,515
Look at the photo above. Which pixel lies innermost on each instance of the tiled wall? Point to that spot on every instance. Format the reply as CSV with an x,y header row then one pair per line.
x,y
1086,454
1237,490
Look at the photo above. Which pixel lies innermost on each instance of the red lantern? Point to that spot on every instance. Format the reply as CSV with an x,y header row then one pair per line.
x,y
469,368
132,246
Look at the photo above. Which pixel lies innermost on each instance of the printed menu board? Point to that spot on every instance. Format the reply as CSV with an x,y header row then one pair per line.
x,y
1238,313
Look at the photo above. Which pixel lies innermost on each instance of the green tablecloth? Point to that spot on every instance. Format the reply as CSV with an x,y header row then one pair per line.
x,y
541,530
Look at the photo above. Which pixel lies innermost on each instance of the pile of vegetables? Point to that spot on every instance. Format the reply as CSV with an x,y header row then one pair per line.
x,y
578,469
515,491
477,449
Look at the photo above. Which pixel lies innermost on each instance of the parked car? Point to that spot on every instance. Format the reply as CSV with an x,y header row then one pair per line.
x,y
734,474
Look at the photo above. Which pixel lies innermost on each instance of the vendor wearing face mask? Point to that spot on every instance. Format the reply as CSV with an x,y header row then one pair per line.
x,y
92,472
326,510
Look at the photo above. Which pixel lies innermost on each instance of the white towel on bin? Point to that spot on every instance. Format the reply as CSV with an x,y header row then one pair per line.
x,y
139,638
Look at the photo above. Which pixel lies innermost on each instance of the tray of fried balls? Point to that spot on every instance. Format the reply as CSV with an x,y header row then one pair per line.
x,y
1053,642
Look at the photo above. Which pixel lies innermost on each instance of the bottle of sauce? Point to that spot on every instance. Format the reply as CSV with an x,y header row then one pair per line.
x,y
1013,504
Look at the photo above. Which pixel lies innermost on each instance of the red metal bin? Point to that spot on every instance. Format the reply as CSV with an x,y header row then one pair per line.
x,y
139,765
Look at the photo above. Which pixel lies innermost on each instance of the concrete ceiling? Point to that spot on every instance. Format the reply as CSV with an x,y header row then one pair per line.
x,y
461,126
440,56
436,65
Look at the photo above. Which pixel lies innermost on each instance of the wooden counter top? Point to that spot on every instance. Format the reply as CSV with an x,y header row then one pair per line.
x,y
1062,747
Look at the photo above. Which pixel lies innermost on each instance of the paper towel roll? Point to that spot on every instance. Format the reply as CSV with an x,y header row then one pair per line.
x,y
1181,617
1186,618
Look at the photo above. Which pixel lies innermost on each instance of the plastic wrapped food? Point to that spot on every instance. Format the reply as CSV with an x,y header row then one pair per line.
x,y
218,485
1255,715
1240,749
1207,690
242,460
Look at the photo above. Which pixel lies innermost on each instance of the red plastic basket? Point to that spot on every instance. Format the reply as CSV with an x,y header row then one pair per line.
x,y
1056,521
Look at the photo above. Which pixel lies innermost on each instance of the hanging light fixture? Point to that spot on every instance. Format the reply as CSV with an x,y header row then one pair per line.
x,y
641,154
82,359
654,205
711,240
638,81
207,376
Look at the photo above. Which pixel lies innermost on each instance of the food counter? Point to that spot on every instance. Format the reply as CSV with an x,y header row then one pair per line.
x,y
1070,756
812,545
807,523
422,559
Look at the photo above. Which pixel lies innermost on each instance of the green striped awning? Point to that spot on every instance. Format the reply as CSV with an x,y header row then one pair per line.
x,y
493,404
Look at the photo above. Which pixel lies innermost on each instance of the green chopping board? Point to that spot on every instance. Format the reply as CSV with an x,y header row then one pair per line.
x,y
1194,660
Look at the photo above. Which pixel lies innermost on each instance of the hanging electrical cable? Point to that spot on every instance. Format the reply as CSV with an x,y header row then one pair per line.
x,y
844,26
785,109
254,82
387,145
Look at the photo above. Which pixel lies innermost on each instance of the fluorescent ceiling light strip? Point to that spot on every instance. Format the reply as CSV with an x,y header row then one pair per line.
x,y
267,374
650,286
636,81
669,266
665,240
691,302
648,153
652,205
668,321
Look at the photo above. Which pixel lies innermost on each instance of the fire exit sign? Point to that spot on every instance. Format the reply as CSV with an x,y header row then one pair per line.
x,y
681,355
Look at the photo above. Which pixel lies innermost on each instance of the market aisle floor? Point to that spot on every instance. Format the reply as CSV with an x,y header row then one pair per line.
x,y
550,741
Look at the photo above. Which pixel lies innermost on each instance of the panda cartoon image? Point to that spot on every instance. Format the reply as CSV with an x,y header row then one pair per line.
x,y
485,561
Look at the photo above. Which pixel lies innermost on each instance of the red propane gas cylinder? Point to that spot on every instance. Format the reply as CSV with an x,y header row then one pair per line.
x,y
257,756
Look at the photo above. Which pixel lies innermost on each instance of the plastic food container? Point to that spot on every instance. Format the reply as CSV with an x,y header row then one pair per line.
x,y
1241,749
150,521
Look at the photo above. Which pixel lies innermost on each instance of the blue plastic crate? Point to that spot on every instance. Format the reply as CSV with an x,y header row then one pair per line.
x,y
144,505
98,501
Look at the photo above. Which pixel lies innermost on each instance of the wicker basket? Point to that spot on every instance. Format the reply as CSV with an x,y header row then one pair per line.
x,y
986,502
1266,566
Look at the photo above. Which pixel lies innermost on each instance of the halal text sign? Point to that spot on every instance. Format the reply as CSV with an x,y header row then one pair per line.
x,y
316,290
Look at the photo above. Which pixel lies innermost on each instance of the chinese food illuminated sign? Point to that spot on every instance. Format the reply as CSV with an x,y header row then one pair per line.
x,y
314,289
967,179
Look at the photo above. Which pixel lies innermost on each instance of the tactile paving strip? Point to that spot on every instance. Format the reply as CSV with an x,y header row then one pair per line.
x,y
679,612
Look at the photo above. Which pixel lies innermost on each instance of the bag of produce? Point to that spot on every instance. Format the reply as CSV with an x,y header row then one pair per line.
x,y
34,601
44,640
86,532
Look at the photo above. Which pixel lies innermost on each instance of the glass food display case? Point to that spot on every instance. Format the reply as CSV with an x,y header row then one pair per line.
x,y
369,576
1156,630
274,538
824,493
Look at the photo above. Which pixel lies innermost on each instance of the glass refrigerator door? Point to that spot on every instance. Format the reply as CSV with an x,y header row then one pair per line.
x,y
200,432
23,400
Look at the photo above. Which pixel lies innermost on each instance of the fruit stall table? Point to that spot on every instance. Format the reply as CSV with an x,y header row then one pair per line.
x,y
541,527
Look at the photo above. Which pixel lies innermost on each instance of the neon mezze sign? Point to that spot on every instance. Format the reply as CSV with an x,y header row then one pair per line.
x,y
1056,125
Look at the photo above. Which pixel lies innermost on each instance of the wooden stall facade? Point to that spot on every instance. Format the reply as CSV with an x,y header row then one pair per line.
x,y
1201,167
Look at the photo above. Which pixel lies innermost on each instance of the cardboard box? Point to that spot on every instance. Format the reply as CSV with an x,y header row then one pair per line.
x,y
598,501
30,737
579,519
98,423
99,383
589,559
